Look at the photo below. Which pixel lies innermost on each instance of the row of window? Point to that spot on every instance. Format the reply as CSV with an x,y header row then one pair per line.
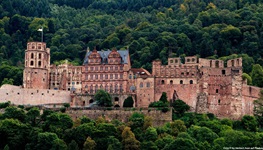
x,y
147,84
111,88
101,76
181,82
32,63
32,56
38,46
102,68
177,73
99,60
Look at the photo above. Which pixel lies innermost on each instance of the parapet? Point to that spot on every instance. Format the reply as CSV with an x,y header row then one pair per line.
x,y
36,46
174,61
234,62
191,60
211,63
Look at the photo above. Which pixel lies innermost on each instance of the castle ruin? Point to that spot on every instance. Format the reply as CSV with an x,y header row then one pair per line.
x,y
206,85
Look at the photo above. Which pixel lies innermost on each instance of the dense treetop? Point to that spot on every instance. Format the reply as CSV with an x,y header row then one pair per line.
x,y
26,128
150,29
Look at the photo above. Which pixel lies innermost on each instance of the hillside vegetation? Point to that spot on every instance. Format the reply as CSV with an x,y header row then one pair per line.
x,y
25,128
150,29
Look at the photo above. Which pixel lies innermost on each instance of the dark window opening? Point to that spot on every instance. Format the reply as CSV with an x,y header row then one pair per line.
x,y
219,101
162,82
181,82
171,81
223,72
191,82
91,101
216,90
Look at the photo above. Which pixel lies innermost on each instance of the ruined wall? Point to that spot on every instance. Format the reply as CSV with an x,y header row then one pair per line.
x,y
159,118
222,86
145,91
249,93
86,99
19,96
185,92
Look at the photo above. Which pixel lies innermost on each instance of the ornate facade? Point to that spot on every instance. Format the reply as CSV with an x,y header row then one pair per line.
x,y
206,85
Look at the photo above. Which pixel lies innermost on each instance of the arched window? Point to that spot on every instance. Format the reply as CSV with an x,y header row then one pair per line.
x,y
181,82
106,88
39,56
116,88
96,88
162,81
31,63
111,88
39,63
91,89
148,84
121,90
141,85
171,82
191,82
216,90
32,55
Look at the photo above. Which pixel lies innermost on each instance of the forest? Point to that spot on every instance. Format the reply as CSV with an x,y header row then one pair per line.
x,y
25,127
150,29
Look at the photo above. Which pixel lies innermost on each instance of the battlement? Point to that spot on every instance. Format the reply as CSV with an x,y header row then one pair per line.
x,y
211,63
39,46
234,62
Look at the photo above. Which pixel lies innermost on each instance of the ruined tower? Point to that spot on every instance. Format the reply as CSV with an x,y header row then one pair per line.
x,y
37,62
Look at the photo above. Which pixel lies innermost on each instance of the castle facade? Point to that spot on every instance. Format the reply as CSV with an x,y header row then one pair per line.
x,y
206,85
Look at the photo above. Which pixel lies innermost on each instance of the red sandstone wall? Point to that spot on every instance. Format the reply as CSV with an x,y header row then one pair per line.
x,y
145,91
249,93
185,92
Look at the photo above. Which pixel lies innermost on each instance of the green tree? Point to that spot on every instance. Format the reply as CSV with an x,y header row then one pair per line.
x,y
177,127
129,141
249,123
181,144
49,140
15,113
180,107
7,81
150,134
73,145
163,98
247,78
103,98
89,144
257,75
114,143
258,108
33,116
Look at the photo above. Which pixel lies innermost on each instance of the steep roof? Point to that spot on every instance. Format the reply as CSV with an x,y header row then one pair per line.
x,y
104,55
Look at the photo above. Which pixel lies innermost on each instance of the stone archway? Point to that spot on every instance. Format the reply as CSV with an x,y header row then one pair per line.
x,y
91,101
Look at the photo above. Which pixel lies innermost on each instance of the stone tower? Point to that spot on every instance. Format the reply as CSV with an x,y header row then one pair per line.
x,y
37,63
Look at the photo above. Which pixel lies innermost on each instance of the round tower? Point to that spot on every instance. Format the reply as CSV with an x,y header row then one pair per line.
x,y
37,63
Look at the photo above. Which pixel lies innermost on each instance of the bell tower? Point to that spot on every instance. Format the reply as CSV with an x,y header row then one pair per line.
x,y
37,63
